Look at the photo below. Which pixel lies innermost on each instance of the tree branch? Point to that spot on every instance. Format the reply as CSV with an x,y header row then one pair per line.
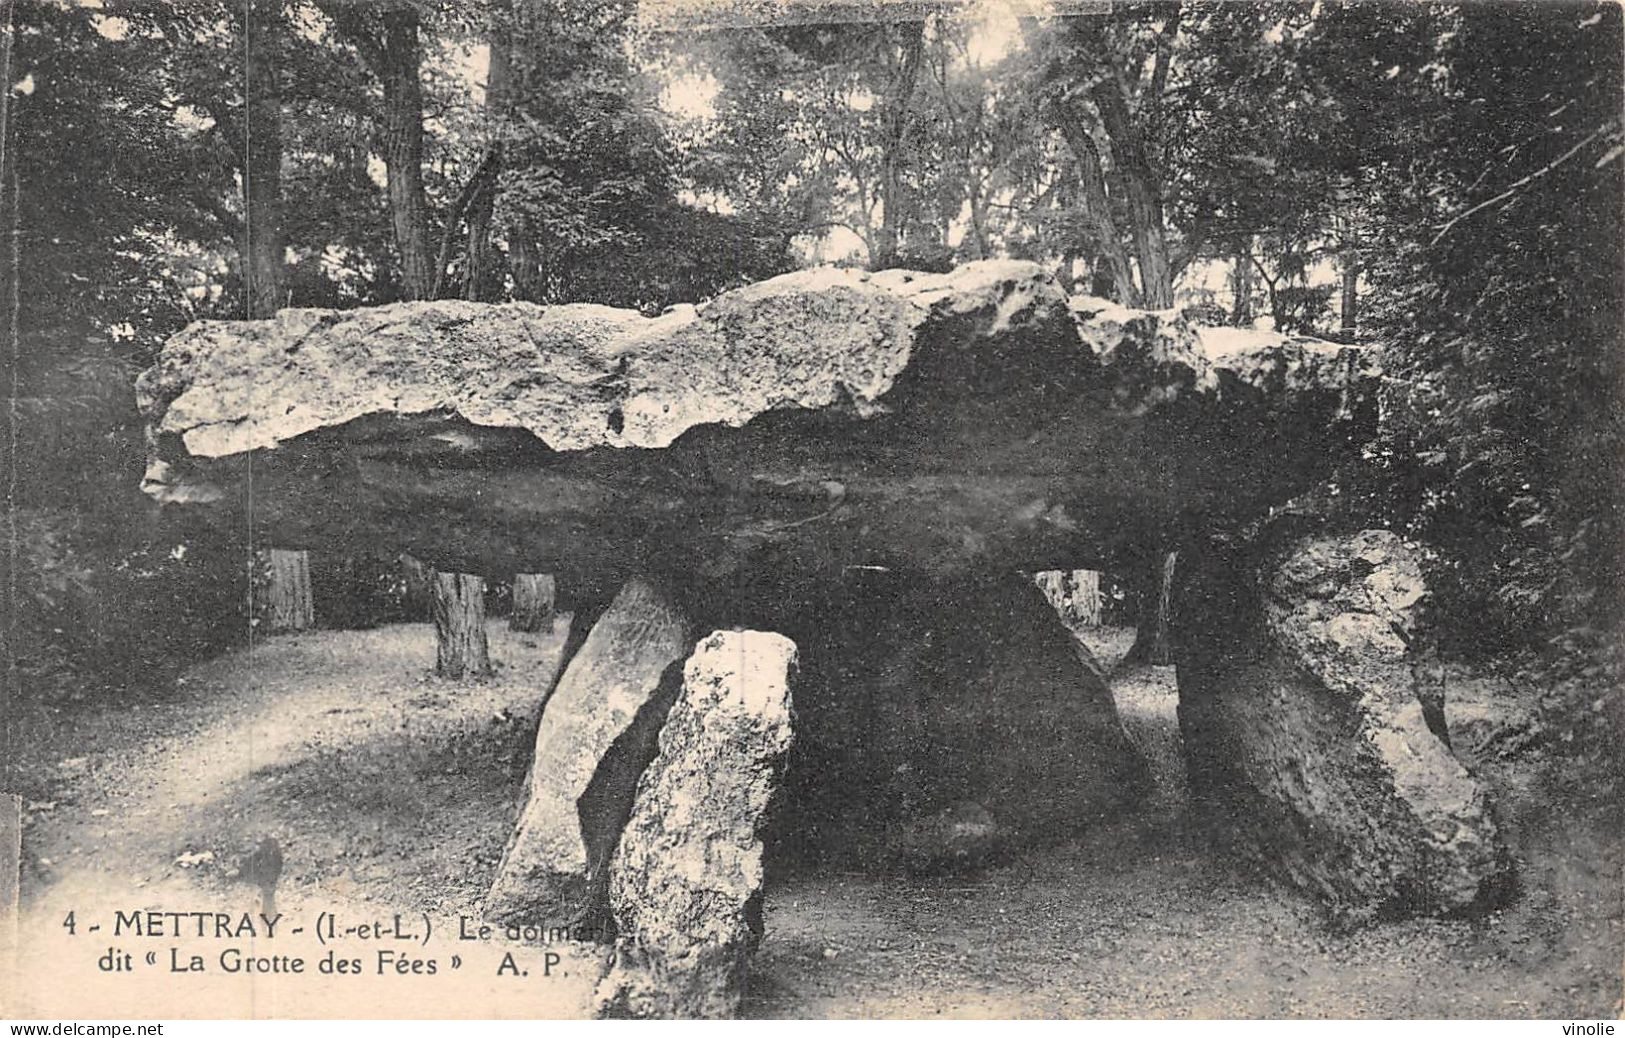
x,y
351,24
1159,71
1520,182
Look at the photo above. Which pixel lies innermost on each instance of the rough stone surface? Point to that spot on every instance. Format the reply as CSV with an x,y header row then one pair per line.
x,y
1306,733
1161,353
575,376
686,879
588,760
964,421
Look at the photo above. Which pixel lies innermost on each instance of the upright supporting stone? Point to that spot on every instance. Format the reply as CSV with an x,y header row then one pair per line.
x,y
596,734
532,602
1306,736
686,880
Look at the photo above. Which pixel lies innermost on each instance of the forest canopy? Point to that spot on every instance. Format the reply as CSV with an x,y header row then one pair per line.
x,y
1441,181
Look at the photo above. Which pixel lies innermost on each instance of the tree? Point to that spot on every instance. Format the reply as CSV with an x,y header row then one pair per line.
x,y
905,43
461,649
1495,261
821,124
481,278
532,602
1083,84
287,591
386,38
263,60
1150,584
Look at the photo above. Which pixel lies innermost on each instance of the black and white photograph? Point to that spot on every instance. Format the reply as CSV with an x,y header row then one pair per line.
x,y
812,509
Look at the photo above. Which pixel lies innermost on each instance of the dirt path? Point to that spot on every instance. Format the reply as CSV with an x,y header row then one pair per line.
x,y
390,791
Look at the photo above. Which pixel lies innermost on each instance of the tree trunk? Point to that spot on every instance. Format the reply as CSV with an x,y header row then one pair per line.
x,y
481,281
1241,290
1086,597
1092,177
532,602
419,581
1161,651
459,626
1062,112
1154,603
287,592
402,60
1143,195
1075,594
897,118
1271,289
263,247
525,263
1351,296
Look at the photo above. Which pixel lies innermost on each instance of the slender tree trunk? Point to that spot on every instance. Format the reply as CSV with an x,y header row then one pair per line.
x,y
264,250
287,592
1351,296
419,580
1143,195
1153,591
402,59
481,280
899,107
1241,289
978,223
532,602
525,262
1162,646
1092,178
459,626
1271,290
1086,597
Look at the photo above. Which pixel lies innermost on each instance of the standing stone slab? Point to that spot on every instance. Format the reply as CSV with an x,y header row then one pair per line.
x,y
588,759
685,883
1306,734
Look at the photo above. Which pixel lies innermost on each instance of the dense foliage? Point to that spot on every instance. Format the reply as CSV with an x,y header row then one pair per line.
x,y
1496,268
1442,180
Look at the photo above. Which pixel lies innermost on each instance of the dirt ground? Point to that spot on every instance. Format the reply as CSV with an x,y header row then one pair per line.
x,y
390,791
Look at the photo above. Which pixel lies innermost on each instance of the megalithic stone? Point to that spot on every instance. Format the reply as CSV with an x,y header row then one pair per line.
x,y
1307,738
685,883
965,423
595,736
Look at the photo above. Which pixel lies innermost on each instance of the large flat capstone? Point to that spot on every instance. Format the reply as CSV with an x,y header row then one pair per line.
x,y
970,421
